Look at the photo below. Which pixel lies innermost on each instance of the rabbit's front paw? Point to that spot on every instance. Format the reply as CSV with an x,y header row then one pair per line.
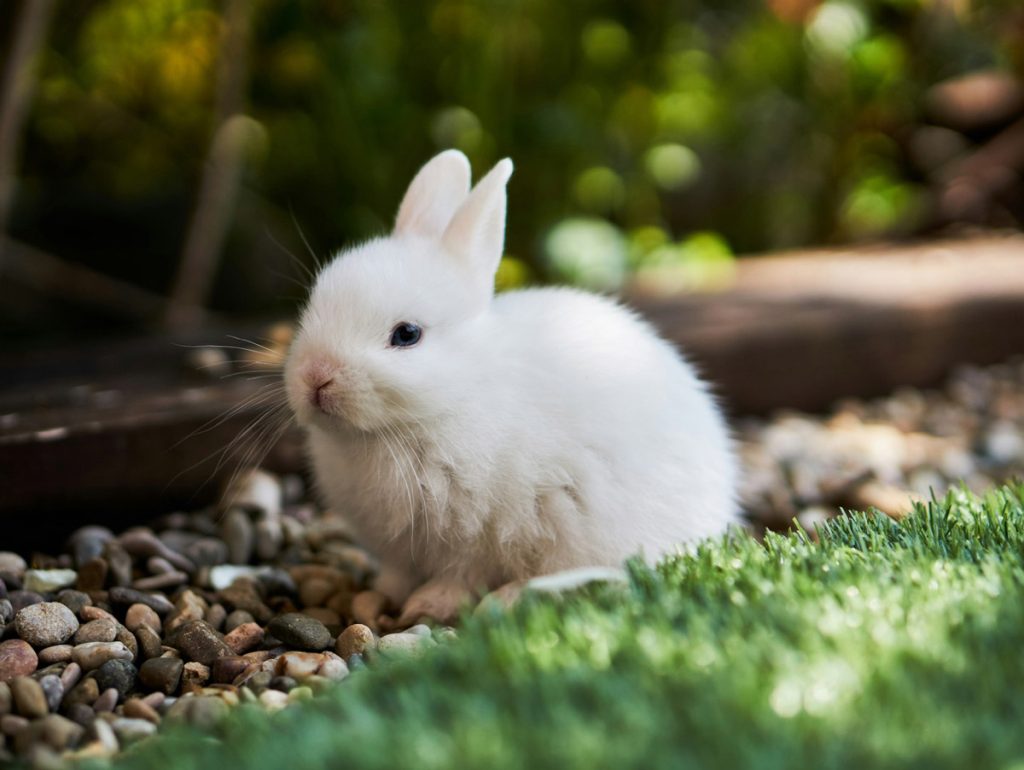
x,y
440,599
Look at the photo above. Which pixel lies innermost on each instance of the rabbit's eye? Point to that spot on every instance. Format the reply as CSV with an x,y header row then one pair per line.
x,y
405,335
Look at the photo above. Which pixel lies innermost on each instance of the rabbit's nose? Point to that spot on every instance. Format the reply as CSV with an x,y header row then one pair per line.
x,y
318,394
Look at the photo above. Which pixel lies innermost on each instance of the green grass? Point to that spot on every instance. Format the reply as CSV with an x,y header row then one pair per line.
x,y
883,645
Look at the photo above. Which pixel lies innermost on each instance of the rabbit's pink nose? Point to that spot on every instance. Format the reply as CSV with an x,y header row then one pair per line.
x,y
318,394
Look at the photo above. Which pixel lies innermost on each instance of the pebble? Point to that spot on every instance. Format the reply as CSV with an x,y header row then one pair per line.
x,y
56,731
150,643
136,708
29,698
367,606
200,642
257,491
49,580
216,615
162,674
119,564
129,730
268,537
101,630
91,613
92,575
141,614
300,631
355,640
237,618
53,689
116,674
237,532
226,669
74,600
13,563
273,700
404,644
94,654
6,610
224,575
87,543
194,675
142,542
243,638
17,658
79,713
129,596
85,692
45,624
106,702
160,582
6,699
104,735
206,552
201,711
70,675
21,599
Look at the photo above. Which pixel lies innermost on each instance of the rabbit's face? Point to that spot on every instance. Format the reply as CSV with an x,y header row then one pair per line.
x,y
388,334
380,339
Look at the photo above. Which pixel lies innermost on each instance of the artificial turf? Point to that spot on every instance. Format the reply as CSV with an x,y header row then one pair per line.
x,y
878,644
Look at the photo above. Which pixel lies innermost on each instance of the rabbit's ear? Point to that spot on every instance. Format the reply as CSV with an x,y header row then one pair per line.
x,y
476,233
434,195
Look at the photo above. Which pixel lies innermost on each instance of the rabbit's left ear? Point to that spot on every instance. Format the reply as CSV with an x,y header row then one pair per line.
x,y
476,234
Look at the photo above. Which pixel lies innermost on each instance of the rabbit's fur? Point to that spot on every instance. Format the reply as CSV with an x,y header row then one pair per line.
x,y
525,433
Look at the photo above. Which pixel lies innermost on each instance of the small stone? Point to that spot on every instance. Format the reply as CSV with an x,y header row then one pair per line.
x,y
118,674
216,615
162,674
80,713
104,735
46,624
150,643
57,732
194,675
161,582
91,613
102,630
355,640
74,600
199,642
129,596
136,708
315,591
269,537
94,654
257,491
49,580
142,614
298,665
207,552
106,702
13,563
17,658
154,700
92,575
6,699
273,700
367,606
12,724
237,618
243,594
53,689
158,565
29,698
21,599
225,670
6,610
200,711
283,683
130,730
299,631
85,692
70,675
119,564
333,668
142,542
237,533
259,681
225,575
87,543
404,644
420,629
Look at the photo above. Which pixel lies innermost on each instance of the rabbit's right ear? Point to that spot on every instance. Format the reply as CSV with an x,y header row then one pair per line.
x,y
434,194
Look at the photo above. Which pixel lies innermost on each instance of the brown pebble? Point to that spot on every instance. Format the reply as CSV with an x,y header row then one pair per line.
x,y
94,654
17,658
199,642
6,699
139,614
314,591
235,619
150,644
92,613
29,698
92,575
85,692
70,675
154,700
161,674
107,701
225,670
160,582
136,708
325,615
11,724
58,653
194,675
100,630
341,602
367,606
216,615
127,638
355,640
244,638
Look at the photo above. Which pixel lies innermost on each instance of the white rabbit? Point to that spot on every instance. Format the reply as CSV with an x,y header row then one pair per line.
x,y
474,439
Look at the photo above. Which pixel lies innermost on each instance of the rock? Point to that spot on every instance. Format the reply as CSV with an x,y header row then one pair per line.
x,y
29,698
162,674
314,591
199,642
225,670
12,724
194,675
13,563
142,542
116,674
150,643
6,699
91,613
83,693
273,700
130,730
300,631
58,653
283,683
103,734
102,630
161,582
106,702
130,596
136,708
420,629
70,675
6,610
74,600
21,599
199,711
87,543
207,552
216,615
17,658
57,732
53,689
142,614
243,594
224,575
367,606
49,580
244,638
92,575
404,644
119,564
269,537
237,618
299,665
80,714
257,491
355,640
237,533
94,654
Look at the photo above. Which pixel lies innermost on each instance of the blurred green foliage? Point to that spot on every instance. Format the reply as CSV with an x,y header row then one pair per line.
x,y
648,135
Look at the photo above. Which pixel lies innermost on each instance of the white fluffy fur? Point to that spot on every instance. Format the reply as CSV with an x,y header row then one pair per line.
x,y
526,433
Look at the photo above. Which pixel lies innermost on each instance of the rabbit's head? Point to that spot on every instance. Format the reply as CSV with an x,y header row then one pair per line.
x,y
387,333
